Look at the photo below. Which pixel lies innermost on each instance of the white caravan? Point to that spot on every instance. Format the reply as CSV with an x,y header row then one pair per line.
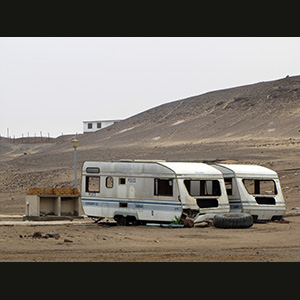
x,y
254,190
156,191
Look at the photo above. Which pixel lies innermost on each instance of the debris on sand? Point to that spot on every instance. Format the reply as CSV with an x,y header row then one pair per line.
x,y
39,235
53,235
68,241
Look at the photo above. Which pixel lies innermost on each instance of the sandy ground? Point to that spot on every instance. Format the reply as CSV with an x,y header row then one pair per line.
x,y
91,242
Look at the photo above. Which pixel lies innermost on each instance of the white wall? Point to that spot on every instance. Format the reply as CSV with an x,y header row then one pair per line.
x,y
94,125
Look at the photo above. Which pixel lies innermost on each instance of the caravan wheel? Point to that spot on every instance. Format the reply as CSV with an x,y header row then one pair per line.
x,y
121,220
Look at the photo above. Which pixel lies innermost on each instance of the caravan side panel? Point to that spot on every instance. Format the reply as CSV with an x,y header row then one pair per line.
x,y
146,191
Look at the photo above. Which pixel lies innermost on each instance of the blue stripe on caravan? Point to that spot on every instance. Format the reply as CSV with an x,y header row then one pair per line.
x,y
133,201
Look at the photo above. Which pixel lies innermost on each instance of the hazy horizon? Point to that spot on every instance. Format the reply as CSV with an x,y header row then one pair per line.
x,y
51,85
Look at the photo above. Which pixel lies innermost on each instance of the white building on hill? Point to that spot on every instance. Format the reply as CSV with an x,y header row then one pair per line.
x,y
92,126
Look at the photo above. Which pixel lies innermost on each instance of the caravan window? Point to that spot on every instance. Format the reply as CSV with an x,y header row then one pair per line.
x,y
163,187
203,187
260,187
109,182
92,184
92,170
228,185
122,180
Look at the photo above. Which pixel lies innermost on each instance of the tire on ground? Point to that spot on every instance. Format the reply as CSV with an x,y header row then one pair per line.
x,y
233,220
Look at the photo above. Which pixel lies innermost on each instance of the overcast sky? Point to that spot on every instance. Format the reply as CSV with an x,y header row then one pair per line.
x,y
53,84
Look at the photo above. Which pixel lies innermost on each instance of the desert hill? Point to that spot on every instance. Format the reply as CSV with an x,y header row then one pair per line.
x,y
262,110
265,110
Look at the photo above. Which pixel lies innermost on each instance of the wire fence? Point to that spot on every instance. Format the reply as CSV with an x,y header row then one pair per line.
x,y
36,139
31,140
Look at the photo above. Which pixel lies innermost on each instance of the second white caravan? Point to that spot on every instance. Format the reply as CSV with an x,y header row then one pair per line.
x,y
254,190
156,191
